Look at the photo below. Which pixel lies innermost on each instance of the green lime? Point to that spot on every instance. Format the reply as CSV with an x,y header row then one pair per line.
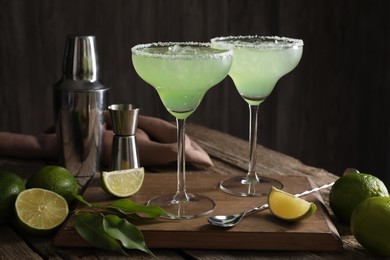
x,y
122,183
288,207
370,224
349,190
10,186
40,211
54,178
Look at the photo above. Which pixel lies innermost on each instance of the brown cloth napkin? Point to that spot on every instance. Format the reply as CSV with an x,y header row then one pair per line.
x,y
156,138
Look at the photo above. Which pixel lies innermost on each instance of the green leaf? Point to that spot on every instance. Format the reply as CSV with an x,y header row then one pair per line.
x,y
129,207
81,199
91,205
90,227
122,230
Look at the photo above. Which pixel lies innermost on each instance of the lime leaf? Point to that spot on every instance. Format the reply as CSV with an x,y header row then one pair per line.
x,y
81,199
122,230
129,207
90,227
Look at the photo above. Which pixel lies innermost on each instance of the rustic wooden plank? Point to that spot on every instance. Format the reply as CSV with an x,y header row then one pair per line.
x,y
16,245
316,233
233,254
46,248
235,161
219,146
234,151
12,246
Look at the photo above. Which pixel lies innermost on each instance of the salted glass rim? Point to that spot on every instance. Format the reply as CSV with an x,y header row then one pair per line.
x,y
138,50
282,42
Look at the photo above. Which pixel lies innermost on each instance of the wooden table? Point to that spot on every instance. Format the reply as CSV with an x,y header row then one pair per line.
x,y
229,155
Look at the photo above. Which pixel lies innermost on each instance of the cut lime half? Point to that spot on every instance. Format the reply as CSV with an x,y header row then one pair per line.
x,y
122,183
288,207
40,211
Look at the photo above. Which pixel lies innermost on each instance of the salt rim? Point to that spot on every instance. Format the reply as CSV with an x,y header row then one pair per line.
x,y
138,50
285,42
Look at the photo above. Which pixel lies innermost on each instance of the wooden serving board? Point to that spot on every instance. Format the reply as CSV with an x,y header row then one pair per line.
x,y
260,231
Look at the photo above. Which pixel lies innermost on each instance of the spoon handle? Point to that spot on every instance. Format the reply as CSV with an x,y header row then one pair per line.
x,y
265,206
314,190
255,209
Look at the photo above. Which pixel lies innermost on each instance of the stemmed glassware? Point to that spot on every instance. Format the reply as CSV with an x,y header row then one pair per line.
x,y
181,73
258,63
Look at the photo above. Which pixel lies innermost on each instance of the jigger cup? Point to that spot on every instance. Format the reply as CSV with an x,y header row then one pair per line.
x,y
124,151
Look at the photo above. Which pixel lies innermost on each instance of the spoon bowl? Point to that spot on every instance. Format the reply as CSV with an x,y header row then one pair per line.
x,y
232,220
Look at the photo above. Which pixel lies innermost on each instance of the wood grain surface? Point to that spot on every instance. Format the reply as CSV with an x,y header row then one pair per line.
x,y
229,157
257,232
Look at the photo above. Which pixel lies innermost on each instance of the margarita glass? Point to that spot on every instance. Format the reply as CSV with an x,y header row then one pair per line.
x,y
181,73
259,62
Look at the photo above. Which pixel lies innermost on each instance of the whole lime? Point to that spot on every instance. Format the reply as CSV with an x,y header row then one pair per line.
x,y
350,190
54,178
10,186
370,224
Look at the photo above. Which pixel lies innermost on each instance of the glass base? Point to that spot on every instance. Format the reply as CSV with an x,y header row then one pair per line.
x,y
239,186
193,207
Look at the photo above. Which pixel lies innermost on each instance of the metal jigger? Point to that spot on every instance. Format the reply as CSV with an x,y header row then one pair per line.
x,y
124,152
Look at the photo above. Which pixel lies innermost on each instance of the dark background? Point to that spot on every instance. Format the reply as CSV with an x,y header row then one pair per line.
x,y
331,112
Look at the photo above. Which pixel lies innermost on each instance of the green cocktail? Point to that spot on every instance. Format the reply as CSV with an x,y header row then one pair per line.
x,y
259,62
181,73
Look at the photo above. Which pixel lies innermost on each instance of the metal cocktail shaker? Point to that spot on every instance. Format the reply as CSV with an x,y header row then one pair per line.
x,y
79,101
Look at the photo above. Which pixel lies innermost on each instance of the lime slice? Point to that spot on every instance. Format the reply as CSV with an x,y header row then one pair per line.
x,y
40,211
288,207
122,183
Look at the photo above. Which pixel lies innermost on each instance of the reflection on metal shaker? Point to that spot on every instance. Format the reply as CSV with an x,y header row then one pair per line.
x,y
79,101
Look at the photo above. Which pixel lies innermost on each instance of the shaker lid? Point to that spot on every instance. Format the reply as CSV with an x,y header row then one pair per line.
x,y
80,58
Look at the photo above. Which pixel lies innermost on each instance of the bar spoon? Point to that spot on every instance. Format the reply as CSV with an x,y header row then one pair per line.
x,y
232,220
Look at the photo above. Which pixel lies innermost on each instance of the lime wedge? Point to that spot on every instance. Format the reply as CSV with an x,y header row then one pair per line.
x,y
40,211
122,183
288,207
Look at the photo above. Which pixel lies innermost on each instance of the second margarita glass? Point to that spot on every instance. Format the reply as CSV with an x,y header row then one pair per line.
x,y
258,63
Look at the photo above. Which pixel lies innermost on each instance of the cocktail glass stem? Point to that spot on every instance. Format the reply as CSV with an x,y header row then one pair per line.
x,y
181,193
182,205
252,184
252,176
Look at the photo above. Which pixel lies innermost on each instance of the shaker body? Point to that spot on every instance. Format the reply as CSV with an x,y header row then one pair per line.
x,y
79,125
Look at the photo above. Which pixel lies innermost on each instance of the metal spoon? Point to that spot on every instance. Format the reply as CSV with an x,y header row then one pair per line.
x,y
232,220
